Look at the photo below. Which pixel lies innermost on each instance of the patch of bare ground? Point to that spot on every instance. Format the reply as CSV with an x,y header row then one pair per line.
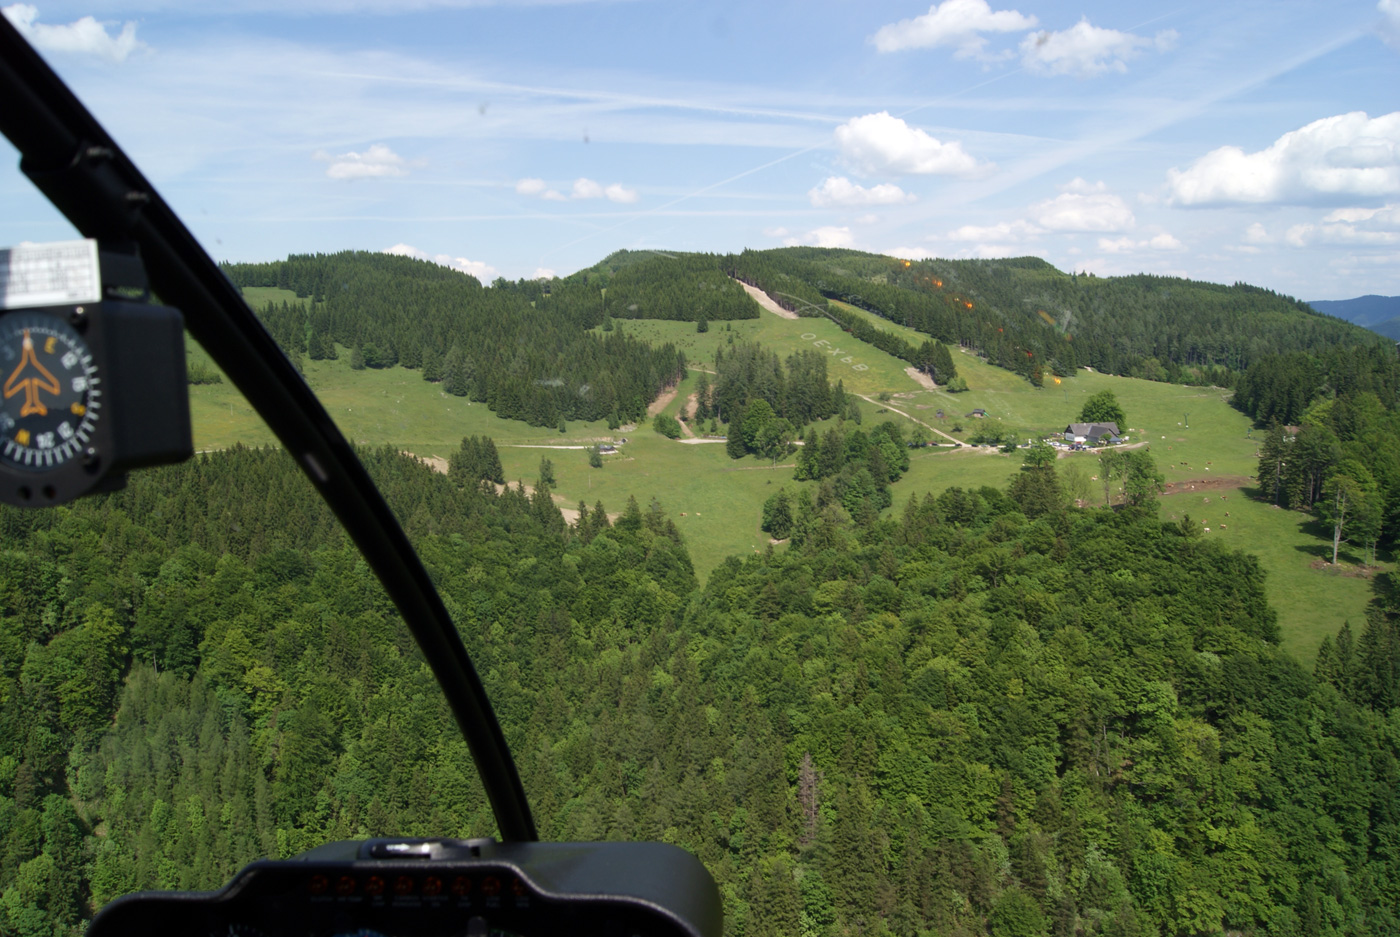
x,y
1197,485
921,378
688,407
435,462
662,402
1342,569
764,300
570,514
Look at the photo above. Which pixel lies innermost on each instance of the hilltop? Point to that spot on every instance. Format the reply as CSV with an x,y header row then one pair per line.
x,y
877,324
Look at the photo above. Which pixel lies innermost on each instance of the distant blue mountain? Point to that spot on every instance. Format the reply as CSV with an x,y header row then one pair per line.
x,y
1380,314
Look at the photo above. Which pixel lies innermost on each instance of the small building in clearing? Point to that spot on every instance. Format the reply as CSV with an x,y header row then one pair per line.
x,y
1091,433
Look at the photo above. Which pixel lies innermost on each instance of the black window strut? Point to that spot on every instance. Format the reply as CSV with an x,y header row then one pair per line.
x,y
77,165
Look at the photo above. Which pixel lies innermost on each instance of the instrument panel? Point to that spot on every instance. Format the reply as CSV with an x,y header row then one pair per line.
x,y
442,888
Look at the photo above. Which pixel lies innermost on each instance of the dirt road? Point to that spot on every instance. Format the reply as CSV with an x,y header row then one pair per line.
x,y
880,403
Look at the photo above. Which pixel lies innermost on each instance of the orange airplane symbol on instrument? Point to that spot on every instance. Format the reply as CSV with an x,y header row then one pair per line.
x,y
33,384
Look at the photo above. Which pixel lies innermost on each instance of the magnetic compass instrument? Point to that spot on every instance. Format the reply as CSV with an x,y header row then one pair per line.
x,y
92,377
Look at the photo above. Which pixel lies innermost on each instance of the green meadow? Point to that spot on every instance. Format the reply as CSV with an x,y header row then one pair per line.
x,y
861,368
716,501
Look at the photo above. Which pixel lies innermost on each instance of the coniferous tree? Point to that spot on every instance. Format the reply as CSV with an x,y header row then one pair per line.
x,y
455,377
432,364
1272,458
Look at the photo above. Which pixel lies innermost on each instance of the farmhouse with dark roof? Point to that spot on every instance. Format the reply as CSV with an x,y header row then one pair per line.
x,y
1091,432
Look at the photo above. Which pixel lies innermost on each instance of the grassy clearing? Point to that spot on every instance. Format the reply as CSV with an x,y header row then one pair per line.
x,y
1216,442
1312,603
912,336
721,499
785,336
259,296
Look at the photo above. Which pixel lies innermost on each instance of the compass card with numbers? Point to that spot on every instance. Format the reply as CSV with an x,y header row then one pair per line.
x,y
51,398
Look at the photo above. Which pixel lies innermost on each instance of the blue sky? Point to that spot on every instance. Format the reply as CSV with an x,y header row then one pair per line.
x,y
1255,141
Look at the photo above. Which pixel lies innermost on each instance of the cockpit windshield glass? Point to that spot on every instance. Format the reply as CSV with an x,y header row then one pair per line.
x,y
937,464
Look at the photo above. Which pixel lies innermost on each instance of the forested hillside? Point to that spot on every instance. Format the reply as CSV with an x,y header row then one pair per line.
x,y
1028,317
654,285
529,351
956,720
500,346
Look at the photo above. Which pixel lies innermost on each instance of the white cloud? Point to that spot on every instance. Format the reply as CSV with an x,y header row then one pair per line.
x,y
879,144
84,36
775,232
1126,245
1390,21
618,193
587,188
583,188
842,192
1386,214
1006,231
1117,245
1083,207
1256,234
543,273
828,236
377,161
957,23
1351,226
483,272
1350,154
1085,50
991,251
908,253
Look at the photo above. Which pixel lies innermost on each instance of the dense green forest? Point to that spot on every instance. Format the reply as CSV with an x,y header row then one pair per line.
x,y
654,285
988,713
529,348
500,346
1028,317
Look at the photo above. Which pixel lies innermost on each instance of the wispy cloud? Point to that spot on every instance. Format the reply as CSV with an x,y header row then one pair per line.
x,y
582,188
840,192
1390,21
1083,207
956,23
483,272
84,36
1126,245
377,162
827,236
1085,50
1351,226
1004,232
